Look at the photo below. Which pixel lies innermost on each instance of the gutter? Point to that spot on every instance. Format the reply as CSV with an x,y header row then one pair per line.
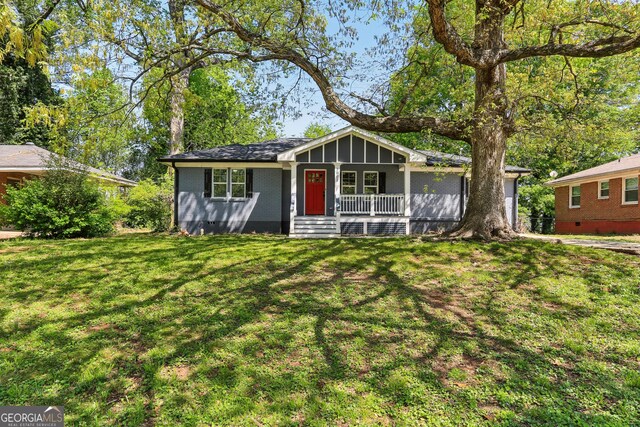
x,y
561,182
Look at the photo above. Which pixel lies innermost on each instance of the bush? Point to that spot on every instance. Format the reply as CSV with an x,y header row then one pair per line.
x,y
63,203
150,205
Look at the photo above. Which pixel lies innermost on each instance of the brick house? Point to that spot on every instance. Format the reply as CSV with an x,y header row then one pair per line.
x,y
27,161
603,199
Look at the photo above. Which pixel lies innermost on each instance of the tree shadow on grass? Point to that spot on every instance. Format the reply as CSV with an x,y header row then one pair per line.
x,y
300,330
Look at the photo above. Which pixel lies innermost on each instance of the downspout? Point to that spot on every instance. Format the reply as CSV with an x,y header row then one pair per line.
x,y
462,192
176,192
514,208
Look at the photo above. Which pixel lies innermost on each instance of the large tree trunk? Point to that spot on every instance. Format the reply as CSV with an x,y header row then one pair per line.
x,y
179,84
486,215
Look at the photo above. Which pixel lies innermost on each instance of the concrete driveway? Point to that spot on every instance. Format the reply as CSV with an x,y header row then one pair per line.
x,y
9,234
612,245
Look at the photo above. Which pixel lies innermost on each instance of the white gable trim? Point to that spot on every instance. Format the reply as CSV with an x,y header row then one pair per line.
x,y
412,155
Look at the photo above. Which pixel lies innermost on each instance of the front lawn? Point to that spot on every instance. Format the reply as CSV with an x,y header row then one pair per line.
x,y
255,330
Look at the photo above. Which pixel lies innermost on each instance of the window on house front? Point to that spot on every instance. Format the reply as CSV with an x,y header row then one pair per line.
x,y
238,183
370,183
220,183
630,190
348,182
574,199
603,192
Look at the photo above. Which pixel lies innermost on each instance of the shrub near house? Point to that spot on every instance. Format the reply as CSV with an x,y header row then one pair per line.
x,y
60,204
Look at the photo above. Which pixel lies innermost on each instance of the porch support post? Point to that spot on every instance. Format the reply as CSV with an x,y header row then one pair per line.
x,y
407,194
336,192
294,197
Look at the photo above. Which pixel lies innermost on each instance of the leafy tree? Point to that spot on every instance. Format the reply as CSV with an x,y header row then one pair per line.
x,y
571,115
216,114
99,131
481,38
25,39
316,130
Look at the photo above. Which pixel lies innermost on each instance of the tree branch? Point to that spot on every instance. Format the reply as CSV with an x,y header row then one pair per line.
x,y
448,37
599,48
391,124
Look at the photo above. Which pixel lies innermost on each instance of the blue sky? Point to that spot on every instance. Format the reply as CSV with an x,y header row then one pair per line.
x,y
316,111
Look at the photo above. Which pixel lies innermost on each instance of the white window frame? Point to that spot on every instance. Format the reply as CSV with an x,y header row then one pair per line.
x,y
214,183
600,196
232,183
365,186
571,205
624,189
354,185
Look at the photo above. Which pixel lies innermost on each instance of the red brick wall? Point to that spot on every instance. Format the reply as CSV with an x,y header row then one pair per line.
x,y
596,215
3,181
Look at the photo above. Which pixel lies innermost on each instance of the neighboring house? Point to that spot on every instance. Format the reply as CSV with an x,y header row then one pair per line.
x,y
603,199
347,182
20,162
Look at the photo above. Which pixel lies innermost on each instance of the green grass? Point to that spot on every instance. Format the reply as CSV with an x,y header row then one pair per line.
x,y
257,330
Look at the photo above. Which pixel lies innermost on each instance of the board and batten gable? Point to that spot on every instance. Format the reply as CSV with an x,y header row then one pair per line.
x,y
260,213
350,150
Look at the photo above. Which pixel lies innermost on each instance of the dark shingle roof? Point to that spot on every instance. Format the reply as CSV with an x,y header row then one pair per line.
x,y
268,152
261,152
436,158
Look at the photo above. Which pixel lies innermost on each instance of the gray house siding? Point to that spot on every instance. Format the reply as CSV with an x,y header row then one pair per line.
x,y
260,213
435,201
286,201
509,195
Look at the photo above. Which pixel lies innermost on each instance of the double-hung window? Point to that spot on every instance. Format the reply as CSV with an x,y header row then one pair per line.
x,y
574,196
229,183
603,190
630,190
370,182
238,183
348,182
220,183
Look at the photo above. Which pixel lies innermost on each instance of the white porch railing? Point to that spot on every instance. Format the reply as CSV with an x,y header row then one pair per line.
x,y
372,204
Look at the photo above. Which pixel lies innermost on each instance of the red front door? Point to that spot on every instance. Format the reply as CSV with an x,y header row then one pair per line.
x,y
314,182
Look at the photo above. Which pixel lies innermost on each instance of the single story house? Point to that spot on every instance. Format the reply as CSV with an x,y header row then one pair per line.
x,y
347,182
26,161
603,199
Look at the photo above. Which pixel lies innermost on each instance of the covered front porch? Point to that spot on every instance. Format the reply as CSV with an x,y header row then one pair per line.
x,y
350,182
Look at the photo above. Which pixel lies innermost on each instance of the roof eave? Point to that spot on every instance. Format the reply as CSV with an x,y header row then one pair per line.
x,y
561,182
170,160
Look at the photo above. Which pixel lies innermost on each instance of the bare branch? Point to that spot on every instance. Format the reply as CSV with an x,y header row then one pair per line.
x,y
374,104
